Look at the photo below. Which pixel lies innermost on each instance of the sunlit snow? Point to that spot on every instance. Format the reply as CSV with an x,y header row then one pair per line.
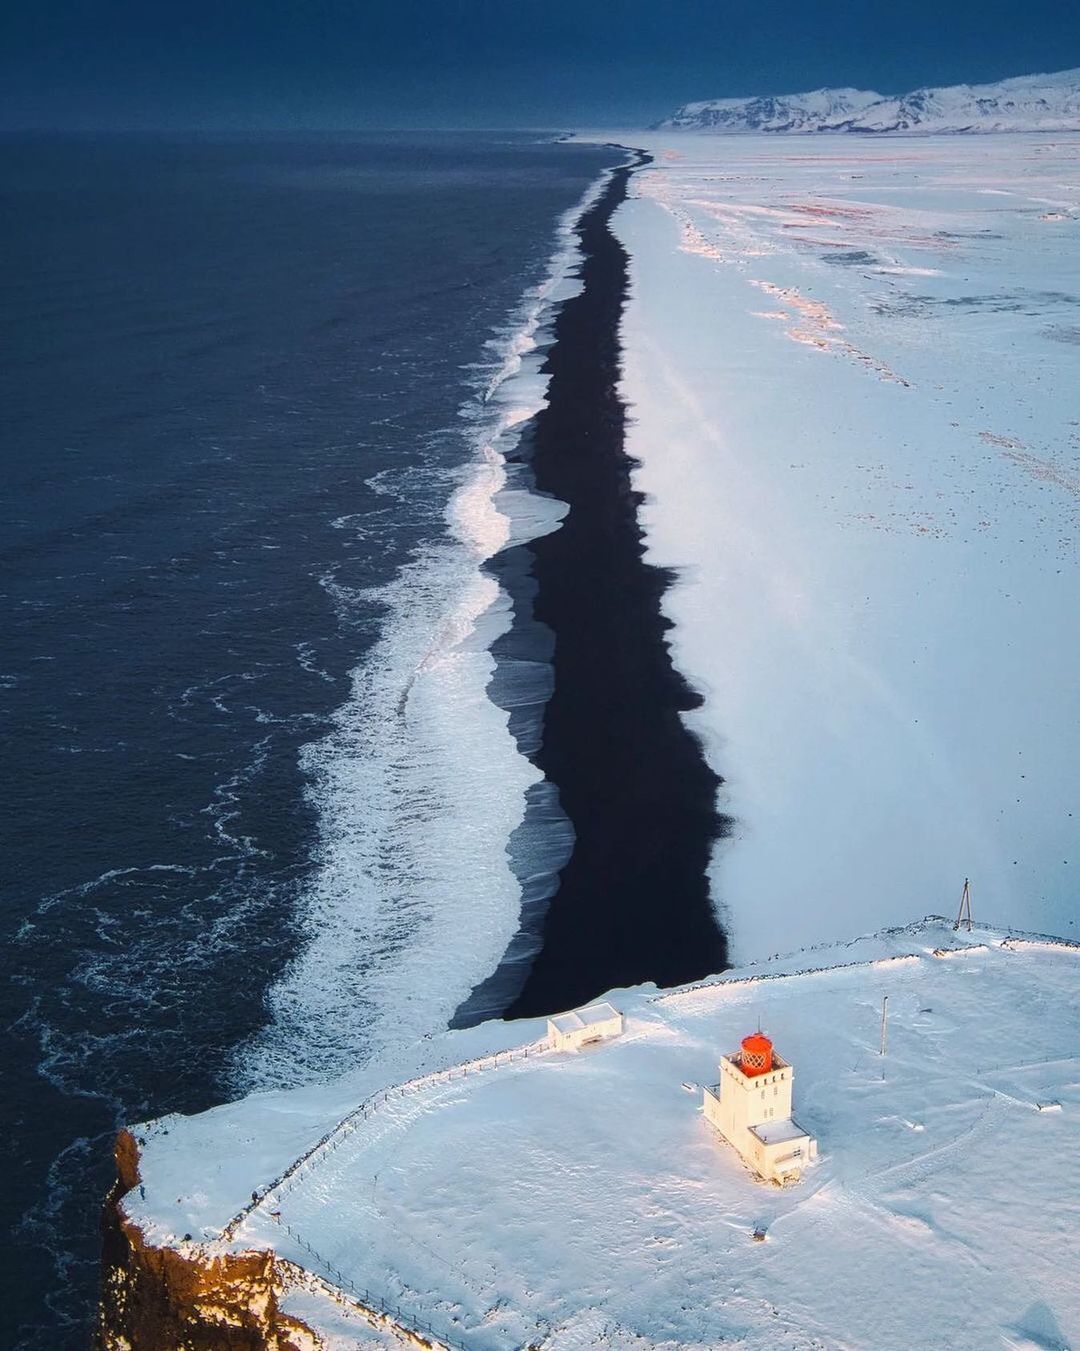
x,y
580,1199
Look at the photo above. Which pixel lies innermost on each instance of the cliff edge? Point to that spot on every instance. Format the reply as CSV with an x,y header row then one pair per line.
x,y
185,1298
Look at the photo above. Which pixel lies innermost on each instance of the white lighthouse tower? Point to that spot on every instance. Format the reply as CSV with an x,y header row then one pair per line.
x,y
751,1108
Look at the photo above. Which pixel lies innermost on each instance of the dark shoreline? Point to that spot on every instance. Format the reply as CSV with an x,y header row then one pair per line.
x,y
632,903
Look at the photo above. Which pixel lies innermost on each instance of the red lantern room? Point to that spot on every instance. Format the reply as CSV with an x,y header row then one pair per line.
x,y
757,1055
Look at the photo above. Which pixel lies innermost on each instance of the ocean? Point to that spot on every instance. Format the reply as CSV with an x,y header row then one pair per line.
x,y
258,397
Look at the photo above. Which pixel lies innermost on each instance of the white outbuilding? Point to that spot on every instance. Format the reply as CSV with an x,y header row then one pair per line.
x,y
598,1022
751,1108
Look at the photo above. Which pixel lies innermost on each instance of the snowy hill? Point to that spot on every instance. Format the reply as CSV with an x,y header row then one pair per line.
x,y
1026,103
784,112
579,1199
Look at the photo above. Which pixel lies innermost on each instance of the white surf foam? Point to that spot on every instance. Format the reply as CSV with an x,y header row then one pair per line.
x,y
420,785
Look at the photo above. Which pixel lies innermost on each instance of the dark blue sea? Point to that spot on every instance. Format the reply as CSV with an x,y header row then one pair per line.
x,y
253,394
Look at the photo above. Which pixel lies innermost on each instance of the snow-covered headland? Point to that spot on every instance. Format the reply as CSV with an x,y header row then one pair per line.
x,y
492,1199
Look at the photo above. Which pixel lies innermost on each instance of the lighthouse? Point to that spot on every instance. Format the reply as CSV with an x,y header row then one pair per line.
x,y
751,1108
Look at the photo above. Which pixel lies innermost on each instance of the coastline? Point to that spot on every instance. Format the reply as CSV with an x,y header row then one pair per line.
x,y
412,899
631,904
446,1157
871,516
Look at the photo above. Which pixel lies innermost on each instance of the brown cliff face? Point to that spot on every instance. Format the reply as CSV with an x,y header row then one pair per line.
x,y
156,1298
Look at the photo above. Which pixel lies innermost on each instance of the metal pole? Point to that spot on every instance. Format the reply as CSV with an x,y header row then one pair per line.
x,y
884,1022
963,917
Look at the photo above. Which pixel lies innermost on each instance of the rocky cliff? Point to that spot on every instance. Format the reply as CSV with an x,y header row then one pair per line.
x,y
185,1299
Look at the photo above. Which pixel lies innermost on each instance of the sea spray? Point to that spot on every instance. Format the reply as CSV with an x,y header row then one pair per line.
x,y
439,840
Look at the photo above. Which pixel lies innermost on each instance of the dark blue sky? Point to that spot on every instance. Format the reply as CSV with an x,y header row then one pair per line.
x,y
364,63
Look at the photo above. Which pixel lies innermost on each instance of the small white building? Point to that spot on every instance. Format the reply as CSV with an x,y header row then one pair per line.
x,y
751,1108
599,1022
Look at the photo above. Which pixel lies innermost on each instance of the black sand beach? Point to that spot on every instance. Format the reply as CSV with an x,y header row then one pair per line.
x,y
632,904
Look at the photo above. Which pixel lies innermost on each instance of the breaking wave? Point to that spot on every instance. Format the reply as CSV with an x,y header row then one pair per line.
x,y
434,827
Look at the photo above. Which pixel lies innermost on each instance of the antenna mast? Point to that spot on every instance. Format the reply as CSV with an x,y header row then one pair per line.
x,y
963,918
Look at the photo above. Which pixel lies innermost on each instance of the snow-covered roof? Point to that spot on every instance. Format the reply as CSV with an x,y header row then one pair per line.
x,y
588,1017
779,1132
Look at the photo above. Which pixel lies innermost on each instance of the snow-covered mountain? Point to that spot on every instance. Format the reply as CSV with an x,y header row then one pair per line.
x,y
781,112
1025,103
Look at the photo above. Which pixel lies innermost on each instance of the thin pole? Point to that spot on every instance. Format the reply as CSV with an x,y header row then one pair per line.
x,y
884,1022
963,916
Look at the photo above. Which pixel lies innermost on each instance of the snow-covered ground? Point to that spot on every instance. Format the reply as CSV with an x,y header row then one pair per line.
x,y
572,1200
854,375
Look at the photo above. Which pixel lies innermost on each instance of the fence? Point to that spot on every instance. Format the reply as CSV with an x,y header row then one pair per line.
x,y
720,983
370,1304
337,1134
